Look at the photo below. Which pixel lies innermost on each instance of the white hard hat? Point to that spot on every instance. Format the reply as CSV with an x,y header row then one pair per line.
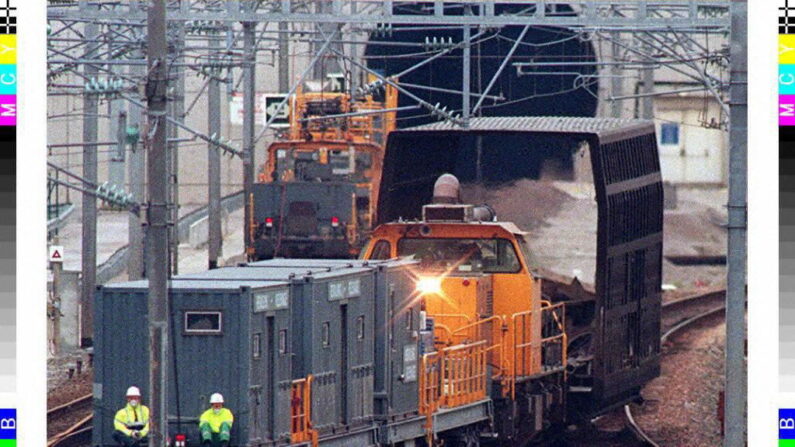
x,y
133,391
216,398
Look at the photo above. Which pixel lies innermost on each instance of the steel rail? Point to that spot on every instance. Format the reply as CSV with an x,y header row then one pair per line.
x,y
57,411
66,435
77,438
690,321
631,423
636,430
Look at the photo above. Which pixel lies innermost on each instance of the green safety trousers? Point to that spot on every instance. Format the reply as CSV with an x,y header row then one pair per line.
x,y
220,439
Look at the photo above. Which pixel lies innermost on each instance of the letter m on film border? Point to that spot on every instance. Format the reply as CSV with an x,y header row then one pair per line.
x,y
8,423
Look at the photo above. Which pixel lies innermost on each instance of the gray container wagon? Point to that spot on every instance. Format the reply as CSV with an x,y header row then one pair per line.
x,y
210,346
352,325
332,336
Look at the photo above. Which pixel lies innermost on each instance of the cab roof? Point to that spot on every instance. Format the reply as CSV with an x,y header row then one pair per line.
x,y
510,227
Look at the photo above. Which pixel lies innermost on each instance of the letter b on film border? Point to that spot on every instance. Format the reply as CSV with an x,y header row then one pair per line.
x,y
786,426
8,426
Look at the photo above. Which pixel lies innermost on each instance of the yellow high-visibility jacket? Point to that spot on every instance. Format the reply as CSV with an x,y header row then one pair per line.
x,y
215,420
132,418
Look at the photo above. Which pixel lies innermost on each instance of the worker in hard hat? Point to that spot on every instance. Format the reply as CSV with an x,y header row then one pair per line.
x,y
131,423
215,424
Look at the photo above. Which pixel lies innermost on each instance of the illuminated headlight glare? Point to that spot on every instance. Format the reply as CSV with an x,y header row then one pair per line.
x,y
429,285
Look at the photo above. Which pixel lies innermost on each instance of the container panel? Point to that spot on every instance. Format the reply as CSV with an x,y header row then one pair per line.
x,y
398,325
271,361
208,347
121,355
629,196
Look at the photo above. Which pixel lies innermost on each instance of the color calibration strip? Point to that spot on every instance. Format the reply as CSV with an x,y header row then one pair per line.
x,y
786,150
786,122
8,122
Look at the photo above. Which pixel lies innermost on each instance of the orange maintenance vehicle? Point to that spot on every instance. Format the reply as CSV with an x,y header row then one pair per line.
x,y
481,300
316,194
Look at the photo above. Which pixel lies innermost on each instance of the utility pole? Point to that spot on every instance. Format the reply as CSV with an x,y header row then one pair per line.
x,y
647,75
177,107
121,145
135,231
158,216
616,80
249,107
737,210
89,213
55,303
284,57
326,65
136,173
117,158
467,71
214,234
647,102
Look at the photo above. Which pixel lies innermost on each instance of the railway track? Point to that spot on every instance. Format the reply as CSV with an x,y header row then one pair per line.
x,y
78,435
71,422
677,316
71,406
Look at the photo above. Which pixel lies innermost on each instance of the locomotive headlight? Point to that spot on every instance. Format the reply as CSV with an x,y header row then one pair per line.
x,y
429,285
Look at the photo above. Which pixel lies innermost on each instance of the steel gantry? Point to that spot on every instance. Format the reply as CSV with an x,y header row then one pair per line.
x,y
590,14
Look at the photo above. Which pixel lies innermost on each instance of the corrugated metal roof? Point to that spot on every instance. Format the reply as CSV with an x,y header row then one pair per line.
x,y
269,273
311,263
536,124
196,284
263,273
327,265
253,274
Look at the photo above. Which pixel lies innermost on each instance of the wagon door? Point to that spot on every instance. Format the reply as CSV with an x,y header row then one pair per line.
x,y
629,196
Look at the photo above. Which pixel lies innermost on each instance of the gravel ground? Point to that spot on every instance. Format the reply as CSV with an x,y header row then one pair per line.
x,y
67,391
71,389
58,369
681,405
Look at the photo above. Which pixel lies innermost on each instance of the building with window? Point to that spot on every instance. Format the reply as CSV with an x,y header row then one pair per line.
x,y
692,136
692,126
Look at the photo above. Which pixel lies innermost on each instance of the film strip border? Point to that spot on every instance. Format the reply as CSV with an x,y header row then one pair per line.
x,y
786,63
8,427
8,61
8,216
786,17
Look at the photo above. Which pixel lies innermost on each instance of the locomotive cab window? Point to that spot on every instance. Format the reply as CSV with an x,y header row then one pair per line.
x,y
363,161
203,323
340,162
382,250
462,255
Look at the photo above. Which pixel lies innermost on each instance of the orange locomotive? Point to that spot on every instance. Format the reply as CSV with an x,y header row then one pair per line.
x,y
483,304
316,194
